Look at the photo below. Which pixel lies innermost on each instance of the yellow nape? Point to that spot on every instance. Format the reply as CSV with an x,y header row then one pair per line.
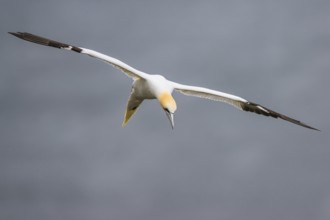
x,y
167,101
128,115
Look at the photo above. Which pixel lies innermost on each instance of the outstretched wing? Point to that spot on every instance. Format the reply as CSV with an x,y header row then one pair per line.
x,y
128,70
236,101
187,90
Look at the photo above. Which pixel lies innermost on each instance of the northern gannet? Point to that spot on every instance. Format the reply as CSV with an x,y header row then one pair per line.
x,y
147,86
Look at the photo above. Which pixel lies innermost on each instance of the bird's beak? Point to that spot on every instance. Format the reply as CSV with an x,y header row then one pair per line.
x,y
170,117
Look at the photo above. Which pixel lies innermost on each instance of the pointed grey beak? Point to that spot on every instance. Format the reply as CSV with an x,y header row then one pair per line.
x,y
170,117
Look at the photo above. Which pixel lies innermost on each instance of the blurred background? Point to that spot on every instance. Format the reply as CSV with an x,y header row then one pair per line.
x,y
64,154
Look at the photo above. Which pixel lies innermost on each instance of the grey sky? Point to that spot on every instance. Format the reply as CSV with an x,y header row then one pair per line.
x,y
64,154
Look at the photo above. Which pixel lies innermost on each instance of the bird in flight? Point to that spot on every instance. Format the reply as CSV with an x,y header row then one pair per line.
x,y
147,86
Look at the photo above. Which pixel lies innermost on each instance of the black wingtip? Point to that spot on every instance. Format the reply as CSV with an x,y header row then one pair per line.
x,y
284,117
44,41
307,126
256,108
17,34
32,38
315,129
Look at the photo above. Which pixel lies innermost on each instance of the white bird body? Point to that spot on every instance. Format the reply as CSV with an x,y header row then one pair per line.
x,y
145,89
152,86
147,86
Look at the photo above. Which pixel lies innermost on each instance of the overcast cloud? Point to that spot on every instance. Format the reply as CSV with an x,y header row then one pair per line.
x,y
64,154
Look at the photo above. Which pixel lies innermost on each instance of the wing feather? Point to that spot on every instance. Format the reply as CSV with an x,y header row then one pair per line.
x,y
236,101
210,94
128,70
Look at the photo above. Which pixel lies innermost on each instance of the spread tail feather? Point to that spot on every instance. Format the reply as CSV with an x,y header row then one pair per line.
x,y
132,105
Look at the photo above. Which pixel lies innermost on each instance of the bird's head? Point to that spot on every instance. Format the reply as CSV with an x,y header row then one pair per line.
x,y
168,103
